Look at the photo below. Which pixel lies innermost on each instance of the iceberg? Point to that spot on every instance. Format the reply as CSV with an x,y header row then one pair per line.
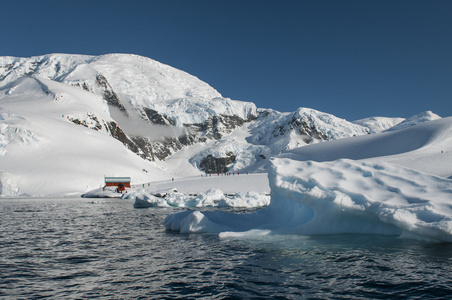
x,y
342,196
378,194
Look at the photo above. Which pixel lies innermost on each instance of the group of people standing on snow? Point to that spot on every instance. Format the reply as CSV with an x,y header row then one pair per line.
x,y
223,174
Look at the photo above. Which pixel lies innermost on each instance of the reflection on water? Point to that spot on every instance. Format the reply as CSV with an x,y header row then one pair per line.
x,y
77,248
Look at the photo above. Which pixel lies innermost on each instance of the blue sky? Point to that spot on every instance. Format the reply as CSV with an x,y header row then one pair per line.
x,y
354,59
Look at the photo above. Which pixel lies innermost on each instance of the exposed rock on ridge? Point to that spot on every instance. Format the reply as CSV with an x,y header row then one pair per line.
x,y
211,164
108,94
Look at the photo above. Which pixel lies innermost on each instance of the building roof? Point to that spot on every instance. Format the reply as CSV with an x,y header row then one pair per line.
x,y
117,179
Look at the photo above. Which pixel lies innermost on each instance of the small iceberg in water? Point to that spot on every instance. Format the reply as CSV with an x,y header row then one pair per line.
x,y
334,197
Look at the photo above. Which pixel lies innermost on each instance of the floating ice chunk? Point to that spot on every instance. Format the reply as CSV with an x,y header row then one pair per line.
x,y
147,197
250,199
246,234
8,184
108,192
342,196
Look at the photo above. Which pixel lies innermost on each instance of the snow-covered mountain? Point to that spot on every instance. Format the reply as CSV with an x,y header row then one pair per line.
x,y
379,124
139,91
422,117
68,120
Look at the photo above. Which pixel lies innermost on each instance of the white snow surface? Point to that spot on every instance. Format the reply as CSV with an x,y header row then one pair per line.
x,y
140,82
378,124
425,147
422,117
45,154
393,183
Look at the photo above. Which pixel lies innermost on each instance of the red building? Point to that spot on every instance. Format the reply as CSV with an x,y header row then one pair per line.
x,y
120,182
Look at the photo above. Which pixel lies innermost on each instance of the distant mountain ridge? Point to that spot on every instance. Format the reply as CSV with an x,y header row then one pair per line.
x,y
167,117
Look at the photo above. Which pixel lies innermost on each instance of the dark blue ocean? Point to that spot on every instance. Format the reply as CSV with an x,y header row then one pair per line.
x,y
80,249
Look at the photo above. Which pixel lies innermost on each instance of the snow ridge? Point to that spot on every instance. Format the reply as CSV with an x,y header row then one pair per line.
x,y
422,117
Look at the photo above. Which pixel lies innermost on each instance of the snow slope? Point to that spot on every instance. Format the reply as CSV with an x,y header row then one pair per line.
x,y
46,154
140,82
425,147
314,190
378,124
422,117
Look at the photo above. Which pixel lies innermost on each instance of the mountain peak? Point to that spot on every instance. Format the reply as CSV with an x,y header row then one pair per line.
x,y
419,118
139,82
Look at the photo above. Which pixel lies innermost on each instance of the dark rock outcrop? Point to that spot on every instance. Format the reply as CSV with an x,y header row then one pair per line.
x,y
211,164
216,126
139,145
94,124
155,118
108,94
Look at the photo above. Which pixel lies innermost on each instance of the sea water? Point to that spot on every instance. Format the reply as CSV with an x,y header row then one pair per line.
x,y
80,248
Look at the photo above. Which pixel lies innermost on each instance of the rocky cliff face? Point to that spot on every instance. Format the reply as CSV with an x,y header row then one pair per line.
x,y
212,165
107,93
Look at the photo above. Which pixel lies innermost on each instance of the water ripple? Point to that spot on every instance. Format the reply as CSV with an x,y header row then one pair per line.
x,y
73,248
